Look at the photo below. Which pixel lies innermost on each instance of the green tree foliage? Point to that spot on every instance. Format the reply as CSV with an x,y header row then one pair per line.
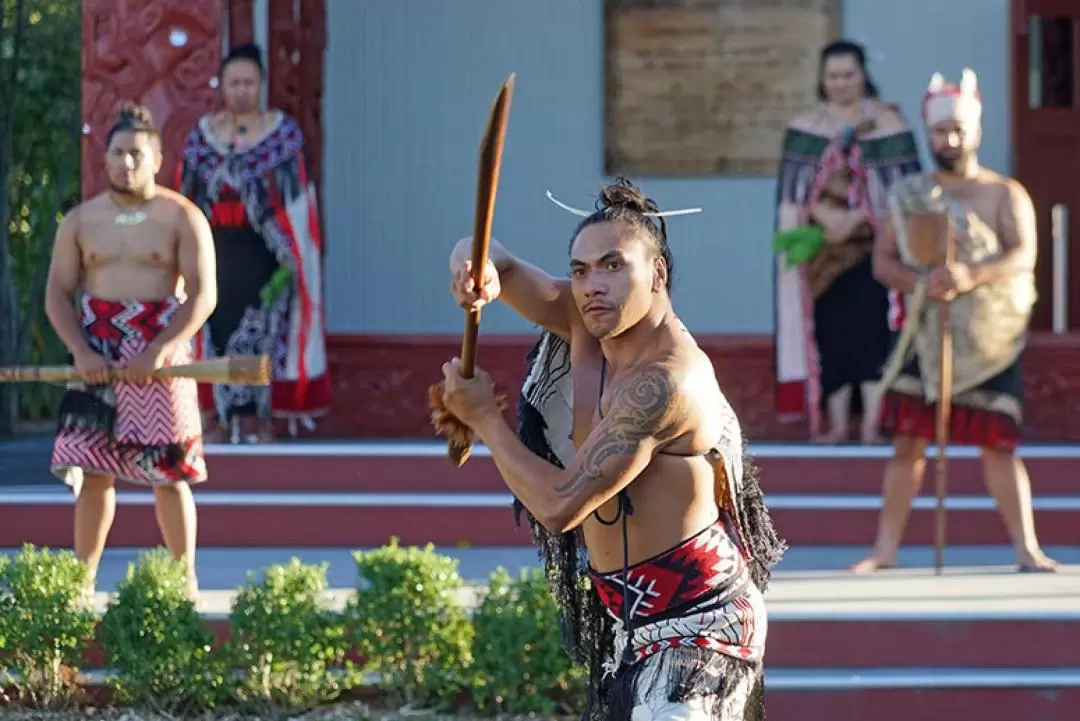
x,y
40,122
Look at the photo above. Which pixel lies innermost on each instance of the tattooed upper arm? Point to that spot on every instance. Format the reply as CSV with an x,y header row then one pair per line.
x,y
647,411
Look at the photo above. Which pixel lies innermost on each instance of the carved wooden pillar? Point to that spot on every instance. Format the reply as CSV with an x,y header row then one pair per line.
x,y
295,60
162,54
241,22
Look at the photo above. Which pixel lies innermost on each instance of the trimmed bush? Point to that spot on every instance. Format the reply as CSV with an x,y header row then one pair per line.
x,y
410,624
291,649
157,643
519,664
45,624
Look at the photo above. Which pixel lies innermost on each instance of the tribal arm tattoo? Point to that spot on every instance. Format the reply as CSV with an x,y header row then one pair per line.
x,y
647,411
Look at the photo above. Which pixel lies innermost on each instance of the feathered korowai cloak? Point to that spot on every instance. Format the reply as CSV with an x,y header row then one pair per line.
x,y
885,159
545,414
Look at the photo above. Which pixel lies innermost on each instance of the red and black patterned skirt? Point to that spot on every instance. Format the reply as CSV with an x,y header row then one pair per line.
x,y
150,435
988,416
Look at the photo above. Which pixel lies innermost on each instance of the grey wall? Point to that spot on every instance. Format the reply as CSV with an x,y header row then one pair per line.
x,y
408,88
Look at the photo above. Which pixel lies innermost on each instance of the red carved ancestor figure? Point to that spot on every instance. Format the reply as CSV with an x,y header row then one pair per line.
x,y
162,55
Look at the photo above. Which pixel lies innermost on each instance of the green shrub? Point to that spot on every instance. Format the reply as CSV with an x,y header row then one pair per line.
x,y
156,641
45,624
519,664
410,625
290,647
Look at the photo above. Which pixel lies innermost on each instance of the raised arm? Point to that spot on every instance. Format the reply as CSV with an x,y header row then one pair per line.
x,y
648,411
532,293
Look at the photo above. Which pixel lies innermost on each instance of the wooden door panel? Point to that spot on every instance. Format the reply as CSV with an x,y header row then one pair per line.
x,y
162,54
297,42
1046,134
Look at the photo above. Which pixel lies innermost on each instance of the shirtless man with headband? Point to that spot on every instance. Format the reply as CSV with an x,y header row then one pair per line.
x,y
653,479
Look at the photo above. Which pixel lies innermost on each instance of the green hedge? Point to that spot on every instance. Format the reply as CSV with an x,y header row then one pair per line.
x,y
405,634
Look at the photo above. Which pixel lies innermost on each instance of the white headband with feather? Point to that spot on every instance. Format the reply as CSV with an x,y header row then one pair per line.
x,y
587,213
953,101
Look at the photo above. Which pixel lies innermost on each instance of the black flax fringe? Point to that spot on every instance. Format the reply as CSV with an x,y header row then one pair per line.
x,y
588,630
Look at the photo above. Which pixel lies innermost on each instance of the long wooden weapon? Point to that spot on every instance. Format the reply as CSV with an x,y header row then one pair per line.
x,y
239,370
491,148
941,478
933,243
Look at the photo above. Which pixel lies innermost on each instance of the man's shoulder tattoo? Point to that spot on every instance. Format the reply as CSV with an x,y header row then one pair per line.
x,y
645,407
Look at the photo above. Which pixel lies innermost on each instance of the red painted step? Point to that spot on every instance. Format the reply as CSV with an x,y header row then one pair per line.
x,y
906,704
336,523
950,642
433,473
875,644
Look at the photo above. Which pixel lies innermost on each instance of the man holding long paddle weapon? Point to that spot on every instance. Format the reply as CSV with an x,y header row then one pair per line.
x,y
654,481
960,243
134,251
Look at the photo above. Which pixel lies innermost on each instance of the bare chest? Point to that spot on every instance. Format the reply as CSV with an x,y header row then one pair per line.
x,y
981,200
586,363
109,238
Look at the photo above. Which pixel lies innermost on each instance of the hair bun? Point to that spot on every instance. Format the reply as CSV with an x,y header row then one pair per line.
x,y
133,112
624,194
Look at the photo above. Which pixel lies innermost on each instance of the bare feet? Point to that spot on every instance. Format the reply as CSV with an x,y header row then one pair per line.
x,y
869,435
265,433
193,590
832,438
217,433
872,563
1036,562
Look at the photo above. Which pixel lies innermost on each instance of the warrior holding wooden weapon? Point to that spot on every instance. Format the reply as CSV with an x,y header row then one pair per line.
x,y
143,258
628,446
960,244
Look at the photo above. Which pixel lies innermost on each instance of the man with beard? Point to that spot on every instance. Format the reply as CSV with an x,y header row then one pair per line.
x,y
649,473
990,289
131,281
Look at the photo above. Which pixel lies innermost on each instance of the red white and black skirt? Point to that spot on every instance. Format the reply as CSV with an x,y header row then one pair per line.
x,y
150,435
988,416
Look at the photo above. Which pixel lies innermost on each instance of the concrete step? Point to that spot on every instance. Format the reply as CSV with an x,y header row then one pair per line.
x,y
352,519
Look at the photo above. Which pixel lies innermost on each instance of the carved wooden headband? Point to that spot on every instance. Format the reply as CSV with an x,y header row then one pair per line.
x,y
587,213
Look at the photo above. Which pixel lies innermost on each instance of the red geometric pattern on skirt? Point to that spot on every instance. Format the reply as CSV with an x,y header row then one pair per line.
x,y
682,574
95,452
162,413
913,417
694,642
737,621
165,411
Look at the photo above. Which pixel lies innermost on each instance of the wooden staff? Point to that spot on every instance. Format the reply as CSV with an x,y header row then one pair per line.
x,y
491,148
239,370
933,243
